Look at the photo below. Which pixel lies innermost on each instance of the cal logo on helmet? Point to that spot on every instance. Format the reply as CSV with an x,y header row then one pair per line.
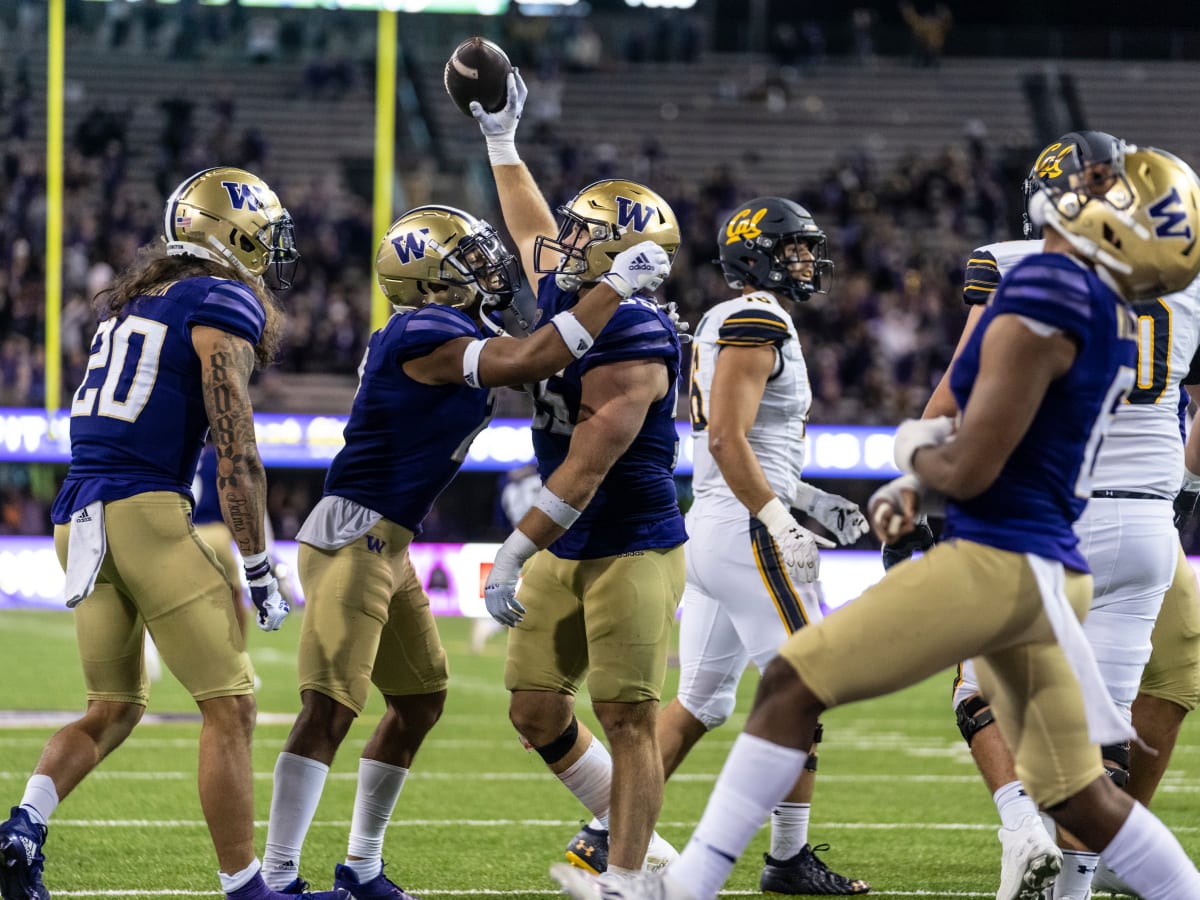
x,y
743,226
632,212
245,196
411,245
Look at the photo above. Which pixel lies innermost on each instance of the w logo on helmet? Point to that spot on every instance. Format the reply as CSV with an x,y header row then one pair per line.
x,y
410,246
632,212
1170,218
249,196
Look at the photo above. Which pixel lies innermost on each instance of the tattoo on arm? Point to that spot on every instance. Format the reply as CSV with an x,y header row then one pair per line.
x,y
241,480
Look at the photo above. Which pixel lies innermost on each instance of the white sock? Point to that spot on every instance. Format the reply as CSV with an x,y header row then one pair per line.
x,y
590,779
1148,858
239,879
1013,804
755,777
598,823
789,829
40,798
297,790
379,787
1075,879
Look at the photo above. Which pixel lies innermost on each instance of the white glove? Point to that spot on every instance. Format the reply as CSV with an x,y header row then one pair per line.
x,y
894,508
913,434
839,515
641,267
797,545
500,591
500,128
264,592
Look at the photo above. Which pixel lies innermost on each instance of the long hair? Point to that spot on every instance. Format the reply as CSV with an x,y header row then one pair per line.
x,y
153,269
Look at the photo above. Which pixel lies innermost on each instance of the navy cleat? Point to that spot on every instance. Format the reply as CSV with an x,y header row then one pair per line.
x,y
256,889
21,858
588,850
378,888
805,873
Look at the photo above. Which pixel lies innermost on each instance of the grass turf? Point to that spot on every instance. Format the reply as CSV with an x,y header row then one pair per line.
x,y
897,795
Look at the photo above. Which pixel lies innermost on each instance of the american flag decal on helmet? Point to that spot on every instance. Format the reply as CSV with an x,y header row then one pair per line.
x,y
183,221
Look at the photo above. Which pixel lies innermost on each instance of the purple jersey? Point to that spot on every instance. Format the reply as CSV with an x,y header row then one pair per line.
x,y
1046,483
635,507
405,441
138,420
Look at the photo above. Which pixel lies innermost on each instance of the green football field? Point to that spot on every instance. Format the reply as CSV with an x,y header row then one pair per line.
x,y
897,798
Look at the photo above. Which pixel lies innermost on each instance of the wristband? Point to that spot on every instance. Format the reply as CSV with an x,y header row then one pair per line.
x,y
577,338
775,516
471,363
1191,481
561,513
257,565
502,151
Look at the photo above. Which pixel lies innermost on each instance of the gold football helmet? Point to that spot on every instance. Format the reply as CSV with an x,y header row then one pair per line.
x,y
230,216
1137,219
599,222
439,254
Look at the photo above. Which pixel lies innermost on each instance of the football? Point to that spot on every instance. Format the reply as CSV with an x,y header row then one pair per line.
x,y
478,70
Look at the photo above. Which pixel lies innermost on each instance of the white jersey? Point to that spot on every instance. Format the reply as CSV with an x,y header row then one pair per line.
x,y
1143,449
777,435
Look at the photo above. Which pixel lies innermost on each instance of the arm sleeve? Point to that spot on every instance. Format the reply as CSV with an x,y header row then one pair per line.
x,y
232,307
429,327
981,278
752,327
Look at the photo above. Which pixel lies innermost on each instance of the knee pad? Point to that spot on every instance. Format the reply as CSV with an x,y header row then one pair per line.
x,y
1116,762
973,715
561,745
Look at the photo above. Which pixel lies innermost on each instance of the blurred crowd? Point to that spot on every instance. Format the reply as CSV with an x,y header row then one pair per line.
x,y
875,344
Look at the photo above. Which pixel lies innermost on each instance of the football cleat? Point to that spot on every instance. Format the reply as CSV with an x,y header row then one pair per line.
x,y
659,854
21,859
582,886
1106,879
806,873
588,850
378,888
256,889
1030,861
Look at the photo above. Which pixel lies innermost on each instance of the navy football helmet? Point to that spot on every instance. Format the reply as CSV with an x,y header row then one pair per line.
x,y
1065,159
754,244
